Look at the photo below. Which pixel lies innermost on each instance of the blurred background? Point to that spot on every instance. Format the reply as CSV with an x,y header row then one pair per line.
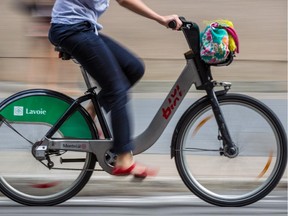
x,y
28,60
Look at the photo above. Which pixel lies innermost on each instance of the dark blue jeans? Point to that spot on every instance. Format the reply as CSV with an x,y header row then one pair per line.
x,y
114,68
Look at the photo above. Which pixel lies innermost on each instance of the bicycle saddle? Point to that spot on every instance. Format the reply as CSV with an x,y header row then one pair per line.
x,y
62,53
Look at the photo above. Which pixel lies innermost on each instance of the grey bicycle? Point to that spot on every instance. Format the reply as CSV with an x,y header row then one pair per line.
x,y
229,149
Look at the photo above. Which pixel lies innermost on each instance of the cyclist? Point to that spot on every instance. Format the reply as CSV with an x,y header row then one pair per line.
x,y
75,27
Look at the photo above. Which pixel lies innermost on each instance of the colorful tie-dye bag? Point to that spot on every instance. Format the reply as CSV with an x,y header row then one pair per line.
x,y
218,40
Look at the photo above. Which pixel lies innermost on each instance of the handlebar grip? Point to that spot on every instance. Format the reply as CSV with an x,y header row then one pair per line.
x,y
172,24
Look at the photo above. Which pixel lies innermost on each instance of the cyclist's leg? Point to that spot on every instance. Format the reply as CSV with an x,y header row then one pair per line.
x,y
130,64
133,69
93,54
58,33
91,110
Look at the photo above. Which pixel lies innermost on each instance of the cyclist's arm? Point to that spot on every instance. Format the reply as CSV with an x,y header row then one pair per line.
x,y
141,8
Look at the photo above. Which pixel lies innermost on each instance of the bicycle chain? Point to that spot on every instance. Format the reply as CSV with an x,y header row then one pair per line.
x,y
69,169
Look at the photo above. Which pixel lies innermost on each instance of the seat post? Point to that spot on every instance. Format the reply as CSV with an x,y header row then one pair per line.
x,y
86,77
66,56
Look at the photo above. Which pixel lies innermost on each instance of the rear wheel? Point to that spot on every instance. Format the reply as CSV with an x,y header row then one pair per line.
x,y
225,181
23,178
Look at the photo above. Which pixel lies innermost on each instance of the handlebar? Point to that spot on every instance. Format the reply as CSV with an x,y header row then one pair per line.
x,y
173,24
191,32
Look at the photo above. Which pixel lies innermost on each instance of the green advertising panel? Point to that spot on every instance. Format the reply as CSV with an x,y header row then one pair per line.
x,y
44,109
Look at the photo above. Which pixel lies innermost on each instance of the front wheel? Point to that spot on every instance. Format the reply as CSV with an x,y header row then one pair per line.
x,y
224,181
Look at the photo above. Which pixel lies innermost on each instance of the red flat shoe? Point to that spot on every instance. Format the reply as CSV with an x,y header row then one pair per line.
x,y
124,172
118,171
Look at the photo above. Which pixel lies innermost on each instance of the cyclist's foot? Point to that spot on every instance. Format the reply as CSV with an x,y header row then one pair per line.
x,y
136,169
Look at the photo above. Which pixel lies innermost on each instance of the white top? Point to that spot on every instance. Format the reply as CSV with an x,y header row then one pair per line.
x,y
75,11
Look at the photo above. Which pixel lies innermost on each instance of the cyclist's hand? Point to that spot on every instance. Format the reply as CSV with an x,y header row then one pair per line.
x,y
167,19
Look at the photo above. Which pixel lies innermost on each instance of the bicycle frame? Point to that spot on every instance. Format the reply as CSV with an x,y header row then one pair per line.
x,y
142,142
189,76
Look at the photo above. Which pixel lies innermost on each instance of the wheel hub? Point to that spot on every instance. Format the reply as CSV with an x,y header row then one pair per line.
x,y
231,151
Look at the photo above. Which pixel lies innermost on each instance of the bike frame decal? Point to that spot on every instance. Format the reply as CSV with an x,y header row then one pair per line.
x,y
173,102
46,110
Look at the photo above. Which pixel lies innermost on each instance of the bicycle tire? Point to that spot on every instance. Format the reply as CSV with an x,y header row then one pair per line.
x,y
23,178
230,182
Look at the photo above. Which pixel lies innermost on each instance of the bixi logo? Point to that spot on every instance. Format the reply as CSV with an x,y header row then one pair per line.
x,y
173,101
20,111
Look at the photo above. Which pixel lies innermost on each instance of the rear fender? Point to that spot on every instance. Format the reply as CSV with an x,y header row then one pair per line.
x,y
41,106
